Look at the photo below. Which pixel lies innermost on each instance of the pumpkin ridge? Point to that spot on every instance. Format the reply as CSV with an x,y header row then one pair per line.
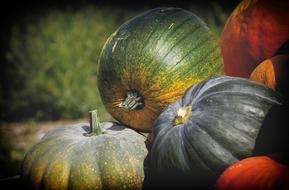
x,y
255,114
162,140
151,61
223,80
203,56
55,157
231,159
215,85
252,119
183,149
155,29
190,32
112,161
213,59
195,91
194,48
214,68
191,68
182,39
241,81
36,160
75,158
155,41
204,163
231,142
257,96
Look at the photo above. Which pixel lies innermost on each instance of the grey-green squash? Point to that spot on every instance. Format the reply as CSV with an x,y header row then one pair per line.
x,y
214,125
105,156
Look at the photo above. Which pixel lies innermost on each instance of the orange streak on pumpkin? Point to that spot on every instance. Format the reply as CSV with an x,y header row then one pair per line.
x,y
158,94
265,74
272,71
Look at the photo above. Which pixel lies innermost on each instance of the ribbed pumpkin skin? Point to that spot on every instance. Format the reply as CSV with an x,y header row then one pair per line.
x,y
158,54
226,116
66,159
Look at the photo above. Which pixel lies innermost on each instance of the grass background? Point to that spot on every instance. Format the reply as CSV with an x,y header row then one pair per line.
x,y
49,53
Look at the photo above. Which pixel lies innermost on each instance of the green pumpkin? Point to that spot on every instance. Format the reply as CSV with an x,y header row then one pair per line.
x,y
213,125
149,62
109,156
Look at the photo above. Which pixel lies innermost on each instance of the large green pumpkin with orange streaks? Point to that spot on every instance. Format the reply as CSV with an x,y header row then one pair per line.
x,y
149,62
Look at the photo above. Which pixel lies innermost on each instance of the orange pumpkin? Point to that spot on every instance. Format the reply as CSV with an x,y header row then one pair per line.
x,y
258,173
272,72
253,33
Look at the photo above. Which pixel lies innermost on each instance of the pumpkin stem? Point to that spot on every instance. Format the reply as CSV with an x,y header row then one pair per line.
x,y
132,101
95,128
183,114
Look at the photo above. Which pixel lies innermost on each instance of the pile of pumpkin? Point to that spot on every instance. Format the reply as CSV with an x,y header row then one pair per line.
x,y
182,122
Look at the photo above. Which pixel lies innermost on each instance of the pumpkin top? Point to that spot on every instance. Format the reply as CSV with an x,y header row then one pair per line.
x,y
223,123
77,157
110,131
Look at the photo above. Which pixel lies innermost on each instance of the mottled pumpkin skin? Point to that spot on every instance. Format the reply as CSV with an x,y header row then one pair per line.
x,y
158,54
253,32
67,159
226,116
258,173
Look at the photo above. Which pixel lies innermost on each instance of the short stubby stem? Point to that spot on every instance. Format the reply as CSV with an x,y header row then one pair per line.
x,y
133,101
183,115
95,128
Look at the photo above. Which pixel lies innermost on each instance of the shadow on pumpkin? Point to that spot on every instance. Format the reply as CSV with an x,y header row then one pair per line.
x,y
273,136
282,85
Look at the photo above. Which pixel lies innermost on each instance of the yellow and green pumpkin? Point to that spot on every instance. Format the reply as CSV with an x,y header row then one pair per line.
x,y
149,62
105,156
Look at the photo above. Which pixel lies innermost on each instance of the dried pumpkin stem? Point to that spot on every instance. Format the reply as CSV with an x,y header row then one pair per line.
x,y
95,128
132,101
183,114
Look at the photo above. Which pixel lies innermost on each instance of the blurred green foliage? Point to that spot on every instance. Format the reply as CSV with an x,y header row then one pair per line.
x,y
213,15
52,59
